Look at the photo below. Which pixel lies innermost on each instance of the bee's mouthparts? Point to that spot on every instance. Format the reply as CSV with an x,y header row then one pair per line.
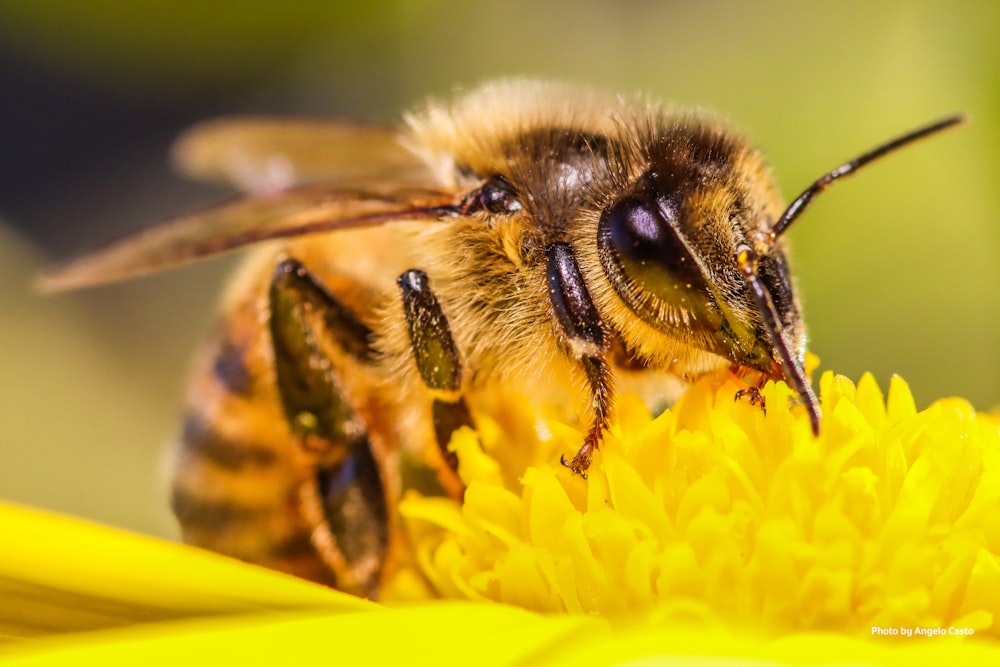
x,y
793,369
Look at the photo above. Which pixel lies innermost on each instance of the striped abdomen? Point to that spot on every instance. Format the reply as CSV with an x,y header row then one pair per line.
x,y
246,485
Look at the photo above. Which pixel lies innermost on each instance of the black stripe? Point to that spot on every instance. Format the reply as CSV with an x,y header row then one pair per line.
x,y
201,438
230,369
194,510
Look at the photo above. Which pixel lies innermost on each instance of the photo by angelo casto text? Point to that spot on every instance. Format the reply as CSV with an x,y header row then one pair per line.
x,y
920,631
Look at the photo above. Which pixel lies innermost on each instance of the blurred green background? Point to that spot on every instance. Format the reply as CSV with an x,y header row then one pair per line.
x,y
898,267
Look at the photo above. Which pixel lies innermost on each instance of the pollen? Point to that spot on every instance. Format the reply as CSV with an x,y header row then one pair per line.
x,y
306,421
715,514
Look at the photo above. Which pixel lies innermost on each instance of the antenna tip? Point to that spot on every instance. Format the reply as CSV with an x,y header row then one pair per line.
x,y
955,119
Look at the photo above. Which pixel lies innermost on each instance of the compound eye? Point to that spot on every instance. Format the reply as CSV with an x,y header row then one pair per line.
x,y
495,196
646,258
636,233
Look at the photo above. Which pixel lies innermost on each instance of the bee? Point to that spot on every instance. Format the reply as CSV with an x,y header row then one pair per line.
x,y
526,234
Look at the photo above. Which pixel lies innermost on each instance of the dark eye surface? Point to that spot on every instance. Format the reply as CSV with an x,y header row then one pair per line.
x,y
495,196
638,240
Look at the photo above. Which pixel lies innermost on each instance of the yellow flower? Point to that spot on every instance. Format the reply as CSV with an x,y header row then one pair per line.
x,y
710,531
714,515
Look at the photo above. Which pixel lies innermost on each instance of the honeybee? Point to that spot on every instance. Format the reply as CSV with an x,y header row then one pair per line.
x,y
527,234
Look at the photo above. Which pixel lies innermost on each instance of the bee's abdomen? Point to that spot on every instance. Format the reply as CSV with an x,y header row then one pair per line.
x,y
239,474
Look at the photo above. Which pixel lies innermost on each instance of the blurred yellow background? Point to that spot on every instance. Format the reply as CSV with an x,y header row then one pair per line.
x,y
899,267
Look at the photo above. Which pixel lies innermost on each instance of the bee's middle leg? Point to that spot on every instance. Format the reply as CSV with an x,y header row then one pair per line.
x,y
436,357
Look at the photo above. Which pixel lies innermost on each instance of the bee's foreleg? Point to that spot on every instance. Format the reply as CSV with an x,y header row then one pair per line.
x,y
436,357
584,334
345,501
752,393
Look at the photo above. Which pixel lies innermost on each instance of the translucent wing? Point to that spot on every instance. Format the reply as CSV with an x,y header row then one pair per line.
x,y
257,154
297,211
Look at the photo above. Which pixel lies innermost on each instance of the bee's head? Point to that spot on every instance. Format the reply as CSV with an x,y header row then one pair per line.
x,y
695,242
669,243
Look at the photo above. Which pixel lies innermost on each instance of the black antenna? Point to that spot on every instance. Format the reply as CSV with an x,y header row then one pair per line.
x,y
746,259
796,208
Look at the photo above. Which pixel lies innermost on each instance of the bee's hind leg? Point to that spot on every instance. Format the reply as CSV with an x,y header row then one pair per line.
x,y
344,502
436,357
303,312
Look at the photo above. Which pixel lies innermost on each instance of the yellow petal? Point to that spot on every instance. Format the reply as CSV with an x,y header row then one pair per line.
x,y
59,575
